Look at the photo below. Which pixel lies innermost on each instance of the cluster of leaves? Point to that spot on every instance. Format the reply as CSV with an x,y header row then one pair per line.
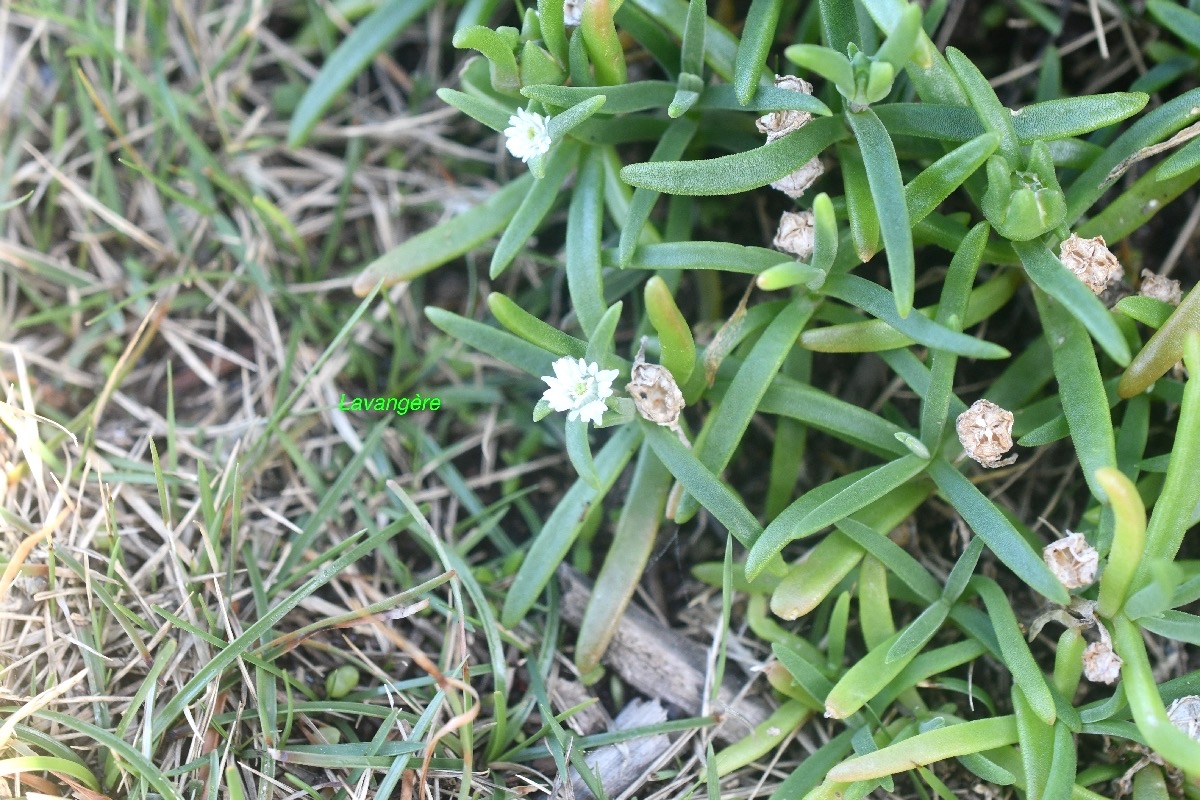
x,y
908,127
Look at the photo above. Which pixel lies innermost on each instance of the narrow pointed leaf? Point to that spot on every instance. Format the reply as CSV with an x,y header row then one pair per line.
x,y
449,240
739,172
994,528
558,533
1045,270
887,190
757,36
538,201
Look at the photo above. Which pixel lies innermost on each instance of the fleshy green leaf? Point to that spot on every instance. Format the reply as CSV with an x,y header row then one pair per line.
x,y
538,201
548,548
449,240
757,35
1045,270
739,172
876,300
887,190
699,481
1081,390
994,528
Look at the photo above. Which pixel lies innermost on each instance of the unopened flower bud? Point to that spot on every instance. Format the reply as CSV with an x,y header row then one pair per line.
x,y
797,234
1184,714
1091,261
798,182
1160,288
985,431
655,392
1100,663
781,123
1072,560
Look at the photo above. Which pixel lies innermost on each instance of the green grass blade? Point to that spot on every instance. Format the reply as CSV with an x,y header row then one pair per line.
x,y
369,38
552,543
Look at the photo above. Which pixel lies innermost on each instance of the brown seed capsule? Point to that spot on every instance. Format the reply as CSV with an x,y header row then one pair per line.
x,y
654,392
1072,560
1091,261
1160,288
572,13
985,431
797,234
1184,714
798,182
1100,663
781,123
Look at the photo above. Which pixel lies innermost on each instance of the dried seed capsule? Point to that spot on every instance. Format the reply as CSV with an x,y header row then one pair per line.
x,y
1072,560
1091,261
572,13
781,123
985,431
1184,714
655,392
798,182
797,234
1160,288
1100,663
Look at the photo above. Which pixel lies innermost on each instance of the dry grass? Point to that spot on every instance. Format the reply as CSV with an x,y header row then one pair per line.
x,y
175,336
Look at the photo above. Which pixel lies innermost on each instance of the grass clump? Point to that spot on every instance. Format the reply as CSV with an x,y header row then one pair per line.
x,y
224,580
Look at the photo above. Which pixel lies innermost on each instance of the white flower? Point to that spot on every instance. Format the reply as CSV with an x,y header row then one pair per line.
x,y
572,13
579,387
525,136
